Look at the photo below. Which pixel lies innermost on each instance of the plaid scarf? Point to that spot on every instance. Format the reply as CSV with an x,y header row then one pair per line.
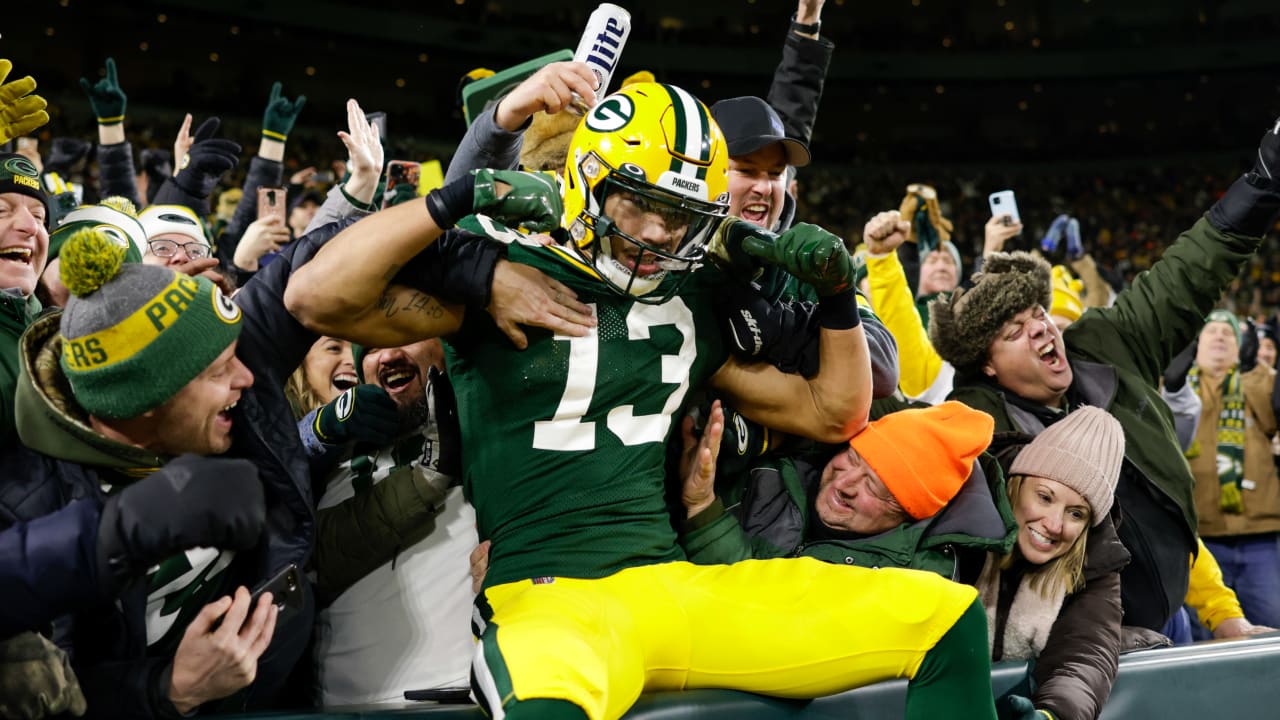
x,y
1230,441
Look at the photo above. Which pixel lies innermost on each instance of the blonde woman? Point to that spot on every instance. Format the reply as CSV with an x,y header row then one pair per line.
x,y
327,370
1056,597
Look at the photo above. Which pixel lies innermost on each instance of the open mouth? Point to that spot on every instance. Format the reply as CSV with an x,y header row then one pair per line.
x,y
396,379
1040,541
344,380
648,265
1048,354
755,213
17,254
224,415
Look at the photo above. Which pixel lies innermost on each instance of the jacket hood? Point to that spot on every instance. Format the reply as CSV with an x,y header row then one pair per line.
x,y
48,418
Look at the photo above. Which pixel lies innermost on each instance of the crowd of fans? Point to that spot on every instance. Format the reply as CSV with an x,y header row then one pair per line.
x,y
285,433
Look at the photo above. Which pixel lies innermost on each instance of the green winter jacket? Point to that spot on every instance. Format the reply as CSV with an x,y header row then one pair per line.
x,y
1117,355
16,313
771,515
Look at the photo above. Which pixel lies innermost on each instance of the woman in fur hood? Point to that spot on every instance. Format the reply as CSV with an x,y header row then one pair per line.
x,y
1056,597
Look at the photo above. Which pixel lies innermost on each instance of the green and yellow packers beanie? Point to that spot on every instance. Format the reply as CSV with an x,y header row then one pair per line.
x,y
19,175
115,217
133,335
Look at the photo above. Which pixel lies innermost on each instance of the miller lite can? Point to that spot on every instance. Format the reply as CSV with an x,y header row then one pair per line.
x,y
601,46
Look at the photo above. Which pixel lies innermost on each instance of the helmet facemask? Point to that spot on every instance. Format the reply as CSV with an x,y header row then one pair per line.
x,y
631,266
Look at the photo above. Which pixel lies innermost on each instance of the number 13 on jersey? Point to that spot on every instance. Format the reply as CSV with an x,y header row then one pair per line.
x,y
567,430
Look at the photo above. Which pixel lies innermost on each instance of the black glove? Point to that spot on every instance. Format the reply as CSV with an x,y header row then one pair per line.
x,y
1175,376
363,413
1248,346
207,160
784,334
1017,707
1251,204
191,502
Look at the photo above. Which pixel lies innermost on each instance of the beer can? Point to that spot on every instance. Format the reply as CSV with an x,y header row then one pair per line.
x,y
601,47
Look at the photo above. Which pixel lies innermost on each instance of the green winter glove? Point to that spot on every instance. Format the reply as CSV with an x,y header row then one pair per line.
x,y
106,97
533,201
20,111
1017,707
808,252
36,680
281,114
365,412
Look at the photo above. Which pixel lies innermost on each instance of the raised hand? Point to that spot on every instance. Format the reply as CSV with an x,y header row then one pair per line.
x,y
549,90
182,143
885,232
281,114
364,153
698,462
105,96
20,111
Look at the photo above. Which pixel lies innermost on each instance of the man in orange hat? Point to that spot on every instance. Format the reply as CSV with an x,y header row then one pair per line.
x,y
906,491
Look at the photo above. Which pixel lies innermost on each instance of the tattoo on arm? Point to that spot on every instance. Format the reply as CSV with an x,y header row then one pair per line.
x,y
392,304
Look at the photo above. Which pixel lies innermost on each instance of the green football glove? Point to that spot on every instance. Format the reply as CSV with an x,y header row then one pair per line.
x,y
105,96
725,249
533,200
20,111
281,114
364,412
808,252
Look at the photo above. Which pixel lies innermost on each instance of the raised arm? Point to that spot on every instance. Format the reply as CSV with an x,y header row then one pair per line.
x,y
832,405
374,310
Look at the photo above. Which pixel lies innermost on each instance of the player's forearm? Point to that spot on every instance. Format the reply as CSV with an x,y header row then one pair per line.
x,y
841,390
350,275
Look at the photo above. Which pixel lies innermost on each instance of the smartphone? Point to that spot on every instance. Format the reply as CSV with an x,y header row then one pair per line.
x,y
286,592
450,696
271,202
1003,203
403,172
380,119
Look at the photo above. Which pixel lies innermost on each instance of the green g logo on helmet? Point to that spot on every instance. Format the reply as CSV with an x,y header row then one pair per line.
x,y
612,114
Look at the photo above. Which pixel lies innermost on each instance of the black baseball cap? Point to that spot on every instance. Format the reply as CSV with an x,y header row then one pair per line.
x,y
749,124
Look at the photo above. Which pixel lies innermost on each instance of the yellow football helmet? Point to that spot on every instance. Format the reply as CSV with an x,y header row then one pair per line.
x,y
657,146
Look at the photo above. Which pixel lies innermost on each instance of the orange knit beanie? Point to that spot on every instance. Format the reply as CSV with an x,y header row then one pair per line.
x,y
923,456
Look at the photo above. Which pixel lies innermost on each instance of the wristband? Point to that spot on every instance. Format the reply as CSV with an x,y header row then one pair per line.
x,y
444,202
839,312
111,120
803,28
272,134
366,207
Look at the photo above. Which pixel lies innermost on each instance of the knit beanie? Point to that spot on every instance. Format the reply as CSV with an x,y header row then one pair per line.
x,y
1227,317
19,175
1066,294
1082,451
924,455
115,217
159,220
963,324
133,335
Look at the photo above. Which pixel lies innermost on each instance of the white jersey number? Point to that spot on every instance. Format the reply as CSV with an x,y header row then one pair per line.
x,y
566,430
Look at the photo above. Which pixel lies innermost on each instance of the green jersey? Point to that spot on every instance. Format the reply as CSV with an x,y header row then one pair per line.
x,y
564,442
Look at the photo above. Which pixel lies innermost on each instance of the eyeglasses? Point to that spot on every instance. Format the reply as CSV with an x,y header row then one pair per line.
x,y
169,248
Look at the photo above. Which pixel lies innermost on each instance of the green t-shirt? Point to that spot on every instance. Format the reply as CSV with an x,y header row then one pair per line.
x,y
564,442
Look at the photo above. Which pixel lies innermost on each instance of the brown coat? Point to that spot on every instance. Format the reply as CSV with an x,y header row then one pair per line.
x,y
1078,664
1262,503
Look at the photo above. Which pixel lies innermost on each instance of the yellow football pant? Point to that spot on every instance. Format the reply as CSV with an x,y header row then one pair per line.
x,y
793,627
